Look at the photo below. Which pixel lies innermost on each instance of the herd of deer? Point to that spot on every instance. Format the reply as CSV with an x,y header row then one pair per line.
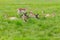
x,y
22,12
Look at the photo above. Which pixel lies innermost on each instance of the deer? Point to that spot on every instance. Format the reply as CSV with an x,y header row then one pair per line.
x,y
33,15
25,17
21,11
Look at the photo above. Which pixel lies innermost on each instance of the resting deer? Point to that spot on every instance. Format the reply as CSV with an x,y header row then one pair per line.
x,y
21,11
25,17
33,15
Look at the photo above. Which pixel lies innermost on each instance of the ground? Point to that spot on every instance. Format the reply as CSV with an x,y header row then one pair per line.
x,y
35,29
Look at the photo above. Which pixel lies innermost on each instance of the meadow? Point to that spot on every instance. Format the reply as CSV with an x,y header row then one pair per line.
x,y
35,29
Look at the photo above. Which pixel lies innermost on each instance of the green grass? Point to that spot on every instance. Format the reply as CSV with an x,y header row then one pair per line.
x,y
34,29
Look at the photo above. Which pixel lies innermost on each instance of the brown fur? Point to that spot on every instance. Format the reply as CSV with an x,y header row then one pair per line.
x,y
34,15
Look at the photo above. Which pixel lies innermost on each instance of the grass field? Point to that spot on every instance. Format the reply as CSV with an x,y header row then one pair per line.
x,y
34,29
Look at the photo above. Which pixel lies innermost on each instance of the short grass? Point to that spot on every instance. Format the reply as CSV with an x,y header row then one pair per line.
x,y
34,29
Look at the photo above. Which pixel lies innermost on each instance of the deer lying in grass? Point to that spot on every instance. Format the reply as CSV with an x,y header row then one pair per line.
x,y
25,17
21,11
33,15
